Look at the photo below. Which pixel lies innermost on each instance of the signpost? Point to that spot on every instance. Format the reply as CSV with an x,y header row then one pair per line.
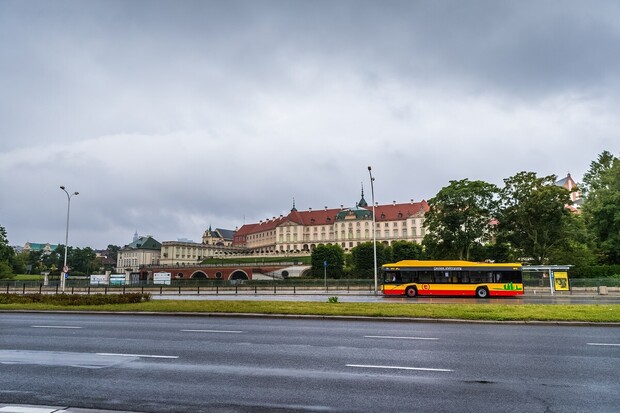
x,y
162,278
325,273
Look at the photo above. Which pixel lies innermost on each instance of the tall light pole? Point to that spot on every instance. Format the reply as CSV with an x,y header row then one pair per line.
x,y
64,267
374,226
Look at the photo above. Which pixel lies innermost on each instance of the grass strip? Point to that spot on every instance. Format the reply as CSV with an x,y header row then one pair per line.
x,y
490,312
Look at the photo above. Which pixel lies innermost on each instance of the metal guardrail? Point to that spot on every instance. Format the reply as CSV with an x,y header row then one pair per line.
x,y
243,287
180,289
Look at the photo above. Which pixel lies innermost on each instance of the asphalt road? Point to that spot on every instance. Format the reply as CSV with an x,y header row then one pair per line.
x,y
213,364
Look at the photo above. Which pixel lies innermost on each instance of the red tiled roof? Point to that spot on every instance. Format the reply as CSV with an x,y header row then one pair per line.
x,y
388,212
394,212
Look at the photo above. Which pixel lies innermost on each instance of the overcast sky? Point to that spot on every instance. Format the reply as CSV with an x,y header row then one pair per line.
x,y
170,116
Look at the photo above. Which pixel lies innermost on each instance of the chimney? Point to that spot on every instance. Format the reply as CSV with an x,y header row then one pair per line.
x,y
310,209
326,207
412,200
393,202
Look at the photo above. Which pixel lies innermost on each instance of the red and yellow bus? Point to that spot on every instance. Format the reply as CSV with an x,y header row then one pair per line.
x,y
452,278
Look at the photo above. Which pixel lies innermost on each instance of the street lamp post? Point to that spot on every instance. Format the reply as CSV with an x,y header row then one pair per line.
x,y
64,267
374,227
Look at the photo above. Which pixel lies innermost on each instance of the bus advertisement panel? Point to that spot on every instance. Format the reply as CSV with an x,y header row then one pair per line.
x,y
452,278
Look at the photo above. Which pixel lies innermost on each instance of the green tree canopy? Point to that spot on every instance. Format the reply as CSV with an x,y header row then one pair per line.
x,y
405,250
363,259
592,179
333,255
602,213
533,216
7,255
459,218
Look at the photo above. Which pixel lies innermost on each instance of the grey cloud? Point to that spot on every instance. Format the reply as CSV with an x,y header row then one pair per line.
x,y
169,116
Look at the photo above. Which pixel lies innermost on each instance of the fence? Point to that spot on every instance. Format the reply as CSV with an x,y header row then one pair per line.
x,y
192,287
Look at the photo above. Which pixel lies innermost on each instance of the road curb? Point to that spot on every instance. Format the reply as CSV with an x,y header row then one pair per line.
x,y
328,317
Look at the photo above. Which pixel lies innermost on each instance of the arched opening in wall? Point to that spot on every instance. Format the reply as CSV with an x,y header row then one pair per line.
x,y
199,275
239,275
218,275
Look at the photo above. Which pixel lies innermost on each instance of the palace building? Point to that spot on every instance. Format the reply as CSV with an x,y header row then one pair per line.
x,y
300,232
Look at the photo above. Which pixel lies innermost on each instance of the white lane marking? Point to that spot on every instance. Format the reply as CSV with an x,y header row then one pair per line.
x,y
367,366
604,344
69,327
403,338
23,409
138,355
214,331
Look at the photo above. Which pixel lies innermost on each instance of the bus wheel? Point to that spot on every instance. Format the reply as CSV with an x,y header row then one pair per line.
x,y
411,292
482,292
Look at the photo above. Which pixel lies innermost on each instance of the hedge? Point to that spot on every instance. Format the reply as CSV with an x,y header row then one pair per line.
x,y
74,299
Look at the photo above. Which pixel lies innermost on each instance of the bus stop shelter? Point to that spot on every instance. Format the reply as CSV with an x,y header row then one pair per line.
x,y
557,275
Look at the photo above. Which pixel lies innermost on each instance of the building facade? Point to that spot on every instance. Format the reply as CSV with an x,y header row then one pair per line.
x,y
575,194
142,251
192,253
45,248
300,232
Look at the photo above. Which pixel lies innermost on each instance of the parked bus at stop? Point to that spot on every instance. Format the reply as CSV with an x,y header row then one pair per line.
x,y
452,278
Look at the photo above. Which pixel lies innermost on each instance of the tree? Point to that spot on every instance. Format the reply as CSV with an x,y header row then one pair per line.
x,y
533,216
363,258
333,255
602,213
592,179
405,250
112,252
7,255
459,218
82,261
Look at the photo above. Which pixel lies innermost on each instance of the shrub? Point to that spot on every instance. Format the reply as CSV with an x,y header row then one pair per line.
x,y
75,299
595,271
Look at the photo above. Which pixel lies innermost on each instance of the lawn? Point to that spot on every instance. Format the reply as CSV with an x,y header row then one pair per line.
x,y
488,312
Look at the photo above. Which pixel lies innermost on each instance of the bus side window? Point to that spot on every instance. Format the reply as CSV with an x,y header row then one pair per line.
x,y
465,277
425,277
